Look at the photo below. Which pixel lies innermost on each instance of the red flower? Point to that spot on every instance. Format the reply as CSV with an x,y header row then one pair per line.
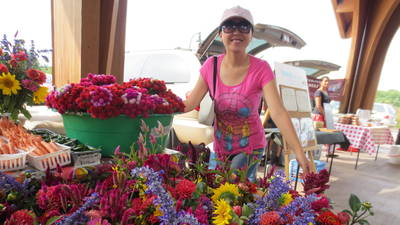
x,y
3,68
36,75
328,218
316,182
13,63
185,189
237,209
1,52
20,56
322,203
270,218
21,217
344,217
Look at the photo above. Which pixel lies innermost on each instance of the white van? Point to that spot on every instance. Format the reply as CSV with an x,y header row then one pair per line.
x,y
178,68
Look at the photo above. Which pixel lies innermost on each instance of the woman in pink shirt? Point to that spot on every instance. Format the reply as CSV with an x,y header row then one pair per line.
x,y
242,80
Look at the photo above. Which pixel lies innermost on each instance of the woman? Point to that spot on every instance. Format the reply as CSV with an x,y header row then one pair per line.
x,y
241,81
320,97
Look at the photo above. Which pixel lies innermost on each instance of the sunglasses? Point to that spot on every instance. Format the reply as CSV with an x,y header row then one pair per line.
x,y
242,26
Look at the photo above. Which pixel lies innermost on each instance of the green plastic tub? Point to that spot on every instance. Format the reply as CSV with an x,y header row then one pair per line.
x,y
107,134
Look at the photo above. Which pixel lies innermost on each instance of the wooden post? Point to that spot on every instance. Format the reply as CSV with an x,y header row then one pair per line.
x,y
88,37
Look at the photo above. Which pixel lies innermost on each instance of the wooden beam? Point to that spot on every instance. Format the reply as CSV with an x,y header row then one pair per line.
x,y
88,37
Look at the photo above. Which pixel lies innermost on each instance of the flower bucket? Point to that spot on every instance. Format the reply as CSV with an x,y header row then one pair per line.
x,y
107,134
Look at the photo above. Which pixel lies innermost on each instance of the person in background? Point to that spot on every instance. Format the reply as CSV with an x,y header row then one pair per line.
x,y
318,114
320,97
242,80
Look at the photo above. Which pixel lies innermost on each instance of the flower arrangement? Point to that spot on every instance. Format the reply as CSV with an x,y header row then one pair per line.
x,y
101,97
21,82
139,188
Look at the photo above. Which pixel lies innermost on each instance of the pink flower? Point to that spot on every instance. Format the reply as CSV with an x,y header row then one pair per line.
x,y
30,85
98,221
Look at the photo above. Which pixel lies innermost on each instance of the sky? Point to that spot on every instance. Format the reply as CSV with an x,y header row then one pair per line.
x,y
159,24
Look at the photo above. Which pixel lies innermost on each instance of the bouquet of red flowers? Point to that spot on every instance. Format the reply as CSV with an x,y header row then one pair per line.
x,y
101,97
20,79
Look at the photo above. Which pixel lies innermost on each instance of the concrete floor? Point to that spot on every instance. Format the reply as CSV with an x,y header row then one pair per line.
x,y
375,181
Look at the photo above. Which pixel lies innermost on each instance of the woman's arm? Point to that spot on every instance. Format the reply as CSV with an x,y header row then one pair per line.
x,y
197,94
284,123
318,105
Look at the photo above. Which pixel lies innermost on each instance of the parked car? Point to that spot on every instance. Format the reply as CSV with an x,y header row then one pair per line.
x,y
385,113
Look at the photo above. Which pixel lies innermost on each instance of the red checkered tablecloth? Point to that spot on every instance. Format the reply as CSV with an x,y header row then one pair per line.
x,y
366,138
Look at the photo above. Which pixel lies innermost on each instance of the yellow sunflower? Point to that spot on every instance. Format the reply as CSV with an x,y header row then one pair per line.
x,y
8,84
40,95
223,213
226,190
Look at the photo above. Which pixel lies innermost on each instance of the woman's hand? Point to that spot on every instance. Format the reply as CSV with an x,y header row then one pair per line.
x,y
304,163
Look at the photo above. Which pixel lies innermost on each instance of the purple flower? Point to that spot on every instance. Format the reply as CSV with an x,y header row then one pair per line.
x,y
9,183
163,200
270,201
78,216
302,204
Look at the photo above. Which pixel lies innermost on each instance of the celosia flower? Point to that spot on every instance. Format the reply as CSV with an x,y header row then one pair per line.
x,y
40,95
226,191
222,212
316,182
8,84
36,75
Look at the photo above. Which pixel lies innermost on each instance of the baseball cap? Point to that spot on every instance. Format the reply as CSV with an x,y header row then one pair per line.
x,y
237,11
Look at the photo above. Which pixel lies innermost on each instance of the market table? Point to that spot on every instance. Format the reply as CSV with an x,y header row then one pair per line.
x,y
367,139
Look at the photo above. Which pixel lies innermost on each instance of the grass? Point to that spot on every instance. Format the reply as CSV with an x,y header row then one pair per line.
x,y
47,69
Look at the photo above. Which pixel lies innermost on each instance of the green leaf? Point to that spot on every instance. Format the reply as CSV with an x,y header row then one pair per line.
x,y
363,222
52,220
355,203
246,210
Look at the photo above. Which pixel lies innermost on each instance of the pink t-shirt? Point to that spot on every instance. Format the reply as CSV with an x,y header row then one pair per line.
x,y
238,126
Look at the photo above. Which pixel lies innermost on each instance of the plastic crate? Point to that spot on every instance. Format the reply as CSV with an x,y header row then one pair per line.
x,y
62,157
320,165
12,162
86,158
